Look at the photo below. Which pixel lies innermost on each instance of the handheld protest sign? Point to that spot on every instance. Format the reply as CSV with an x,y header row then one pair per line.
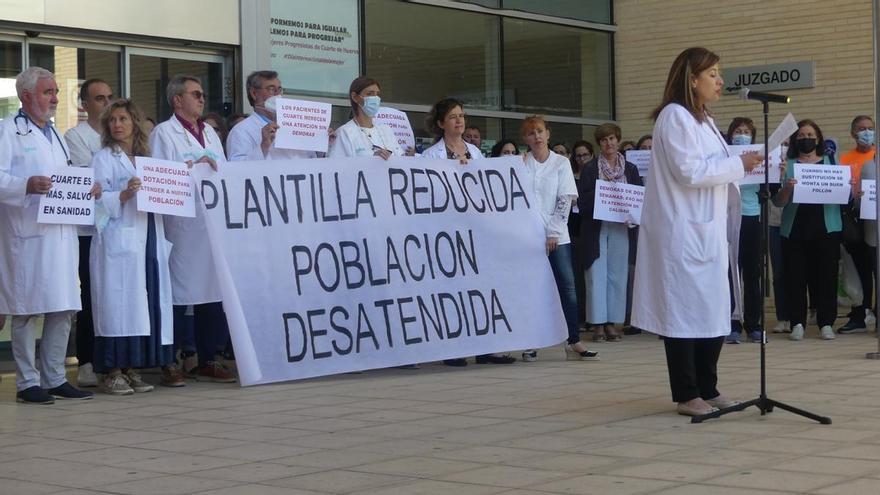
x,y
166,187
302,125
70,200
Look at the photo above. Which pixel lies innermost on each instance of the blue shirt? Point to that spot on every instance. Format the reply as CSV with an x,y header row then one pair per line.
x,y
750,205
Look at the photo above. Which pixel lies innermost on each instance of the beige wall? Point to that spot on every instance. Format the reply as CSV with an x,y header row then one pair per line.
x,y
215,21
836,35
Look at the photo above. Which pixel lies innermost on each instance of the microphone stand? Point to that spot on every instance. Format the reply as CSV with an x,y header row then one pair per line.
x,y
763,402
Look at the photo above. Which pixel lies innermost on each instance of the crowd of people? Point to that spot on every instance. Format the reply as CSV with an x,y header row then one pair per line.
x,y
142,292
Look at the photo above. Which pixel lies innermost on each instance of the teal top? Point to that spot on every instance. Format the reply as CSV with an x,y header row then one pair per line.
x,y
833,223
750,205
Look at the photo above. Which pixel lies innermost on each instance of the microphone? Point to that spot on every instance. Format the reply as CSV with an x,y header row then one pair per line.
x,y
748,94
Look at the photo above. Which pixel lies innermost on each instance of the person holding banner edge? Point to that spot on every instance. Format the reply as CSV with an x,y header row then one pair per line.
x,y
185,138
683,250
555,190
811,235
360,136
605,248
129,266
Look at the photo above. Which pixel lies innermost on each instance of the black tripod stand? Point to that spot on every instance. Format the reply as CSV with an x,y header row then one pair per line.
x,y
762,402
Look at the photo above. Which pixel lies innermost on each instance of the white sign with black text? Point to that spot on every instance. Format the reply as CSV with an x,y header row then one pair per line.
x,y
821,184
302,125
618,202
166,187
641,159
868,207
70,200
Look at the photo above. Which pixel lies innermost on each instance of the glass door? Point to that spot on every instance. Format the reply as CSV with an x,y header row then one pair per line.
x,y
149,71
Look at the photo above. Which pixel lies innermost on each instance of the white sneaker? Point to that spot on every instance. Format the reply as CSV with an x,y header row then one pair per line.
x,y
797,332
530,356
85,376
827,333
782,327
115,385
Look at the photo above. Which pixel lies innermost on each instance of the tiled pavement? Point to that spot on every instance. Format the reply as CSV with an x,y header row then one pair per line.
x,y
551,426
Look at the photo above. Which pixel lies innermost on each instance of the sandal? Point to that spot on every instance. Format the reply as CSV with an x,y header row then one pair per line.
x,y
598,334
611,334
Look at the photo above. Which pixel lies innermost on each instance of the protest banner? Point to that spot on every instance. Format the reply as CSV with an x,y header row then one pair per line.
x,y
302,125
343,265
70,200
756,176
821,184
868,205
399,123
618,202
641,159
166,187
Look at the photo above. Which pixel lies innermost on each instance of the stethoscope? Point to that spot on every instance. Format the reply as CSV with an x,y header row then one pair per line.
x,y
28,130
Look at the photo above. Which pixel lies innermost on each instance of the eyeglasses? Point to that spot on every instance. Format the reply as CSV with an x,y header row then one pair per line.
x,y
198,94
273,90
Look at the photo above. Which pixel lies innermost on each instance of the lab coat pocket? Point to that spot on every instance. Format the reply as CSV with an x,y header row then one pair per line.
x,y
121,242
698,241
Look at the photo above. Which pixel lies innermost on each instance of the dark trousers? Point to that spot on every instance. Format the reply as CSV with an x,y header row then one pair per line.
x,y
211,330
693,367
750,266
862,256
85,328
811,264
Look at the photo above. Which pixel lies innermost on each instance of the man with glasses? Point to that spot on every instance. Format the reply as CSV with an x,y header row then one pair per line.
x,y
38,262
84,141
254,137
185,138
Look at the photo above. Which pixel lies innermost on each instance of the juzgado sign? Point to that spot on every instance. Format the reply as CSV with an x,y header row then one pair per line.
x,y
336,265
773,77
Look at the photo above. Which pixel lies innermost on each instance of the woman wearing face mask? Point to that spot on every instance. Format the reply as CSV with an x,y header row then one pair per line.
x,y
360,136
555,191
741,132
810,239
605,244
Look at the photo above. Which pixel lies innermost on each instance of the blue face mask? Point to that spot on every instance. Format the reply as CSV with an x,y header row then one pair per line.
x,y
371,106
741,139
865,137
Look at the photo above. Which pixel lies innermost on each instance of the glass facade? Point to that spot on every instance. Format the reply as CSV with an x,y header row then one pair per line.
x,y
582,10
150,76
10,65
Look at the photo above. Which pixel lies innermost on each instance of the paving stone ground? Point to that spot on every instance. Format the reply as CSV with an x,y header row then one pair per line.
x,y
551,426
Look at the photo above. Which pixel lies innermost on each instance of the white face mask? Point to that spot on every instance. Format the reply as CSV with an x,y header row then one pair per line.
x,y
271,104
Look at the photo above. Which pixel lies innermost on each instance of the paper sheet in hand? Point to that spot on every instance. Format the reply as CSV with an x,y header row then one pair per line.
x,y
618,202
821,184
641,159
166,187
785,129
302,125
399,124
868,207
756,176
70,200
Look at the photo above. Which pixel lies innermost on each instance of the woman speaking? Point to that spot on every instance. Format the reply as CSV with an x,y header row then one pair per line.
x,y
681,288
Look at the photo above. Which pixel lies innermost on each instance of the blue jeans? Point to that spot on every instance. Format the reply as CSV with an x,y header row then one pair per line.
x,y
560,262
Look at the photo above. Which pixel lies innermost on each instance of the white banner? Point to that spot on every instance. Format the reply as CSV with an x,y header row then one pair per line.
x,y
166,187
618,202
641,159
821,184
70,199
399,123
302,125
756,176
868,207
347,265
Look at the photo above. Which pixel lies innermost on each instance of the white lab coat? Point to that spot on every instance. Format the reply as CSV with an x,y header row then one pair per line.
x,y
681,285
83,142
352,140
193,275
553,183
243,143
38,262
118,256
438,150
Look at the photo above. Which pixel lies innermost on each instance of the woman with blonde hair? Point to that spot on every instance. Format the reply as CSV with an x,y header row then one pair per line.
x,y
131,284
